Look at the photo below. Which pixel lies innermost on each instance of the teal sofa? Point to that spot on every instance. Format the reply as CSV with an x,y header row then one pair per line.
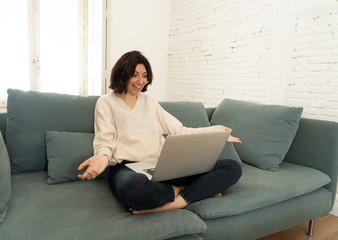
x,y
289,163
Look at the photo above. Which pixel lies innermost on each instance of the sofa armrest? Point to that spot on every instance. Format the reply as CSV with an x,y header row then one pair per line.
x,y
5,180
316,145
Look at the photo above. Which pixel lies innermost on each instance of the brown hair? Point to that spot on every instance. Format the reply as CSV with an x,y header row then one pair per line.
x,y
124,69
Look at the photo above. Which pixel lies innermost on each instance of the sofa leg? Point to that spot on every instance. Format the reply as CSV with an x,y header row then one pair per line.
x,y
310,229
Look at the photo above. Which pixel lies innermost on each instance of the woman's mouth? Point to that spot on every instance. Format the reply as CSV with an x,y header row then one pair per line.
x,y
137,86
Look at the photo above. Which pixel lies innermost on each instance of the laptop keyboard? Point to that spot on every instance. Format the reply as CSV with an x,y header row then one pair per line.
x,y
149,171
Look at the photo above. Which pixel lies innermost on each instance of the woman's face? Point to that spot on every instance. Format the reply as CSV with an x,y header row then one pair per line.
x,y
138,80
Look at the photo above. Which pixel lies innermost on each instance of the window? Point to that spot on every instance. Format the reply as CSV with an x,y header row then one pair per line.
x,y
60,46
52,46
14,63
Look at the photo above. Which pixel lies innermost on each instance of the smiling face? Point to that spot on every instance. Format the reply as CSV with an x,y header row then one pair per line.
x,y
126,70
137,82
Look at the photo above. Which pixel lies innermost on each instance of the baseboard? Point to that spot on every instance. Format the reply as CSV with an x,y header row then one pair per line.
x,y
335,209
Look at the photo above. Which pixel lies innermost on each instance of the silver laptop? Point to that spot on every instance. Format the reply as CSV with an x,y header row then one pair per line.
x,y
184,155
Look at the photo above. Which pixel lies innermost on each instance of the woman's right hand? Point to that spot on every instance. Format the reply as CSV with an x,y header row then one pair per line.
x,y
96,165
224,128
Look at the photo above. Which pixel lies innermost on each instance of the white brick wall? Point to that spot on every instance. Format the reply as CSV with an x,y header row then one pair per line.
x,y
283,52
267,51
314,75
215,58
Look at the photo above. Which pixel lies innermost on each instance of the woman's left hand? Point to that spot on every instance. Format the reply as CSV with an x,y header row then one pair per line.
x,y
96,165
231,138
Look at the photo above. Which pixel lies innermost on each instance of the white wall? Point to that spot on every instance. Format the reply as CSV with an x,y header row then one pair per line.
x,y
143,26
269,51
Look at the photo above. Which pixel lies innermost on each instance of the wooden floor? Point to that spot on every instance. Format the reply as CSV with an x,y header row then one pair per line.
x,y
325,228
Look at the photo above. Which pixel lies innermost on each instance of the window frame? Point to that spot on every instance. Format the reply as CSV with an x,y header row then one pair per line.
x,y
33,8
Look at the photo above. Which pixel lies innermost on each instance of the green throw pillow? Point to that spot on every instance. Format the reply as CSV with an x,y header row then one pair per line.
x,y
5,180
266,131
65,152
30,114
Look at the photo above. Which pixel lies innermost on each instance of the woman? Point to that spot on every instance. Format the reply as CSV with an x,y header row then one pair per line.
x,y
129,127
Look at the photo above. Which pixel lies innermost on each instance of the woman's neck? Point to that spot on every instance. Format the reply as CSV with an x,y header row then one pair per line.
x,y
129,99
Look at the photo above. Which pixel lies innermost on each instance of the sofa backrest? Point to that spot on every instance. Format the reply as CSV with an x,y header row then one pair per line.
x,y
31,114
190,114
210,111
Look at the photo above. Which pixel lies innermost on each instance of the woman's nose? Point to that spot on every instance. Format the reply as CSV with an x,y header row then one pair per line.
x,y
139,79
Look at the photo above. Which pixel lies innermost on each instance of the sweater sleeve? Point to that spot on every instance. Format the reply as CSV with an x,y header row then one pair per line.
x,y
105,132
172,126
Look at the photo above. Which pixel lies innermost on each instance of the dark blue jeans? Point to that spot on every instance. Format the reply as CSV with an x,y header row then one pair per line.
x,y
137,192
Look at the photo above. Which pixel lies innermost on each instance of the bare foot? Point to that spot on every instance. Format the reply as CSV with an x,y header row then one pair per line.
x,y
178,203
177,190
218,195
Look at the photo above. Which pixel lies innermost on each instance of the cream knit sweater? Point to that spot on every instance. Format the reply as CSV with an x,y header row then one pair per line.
x,y
134,134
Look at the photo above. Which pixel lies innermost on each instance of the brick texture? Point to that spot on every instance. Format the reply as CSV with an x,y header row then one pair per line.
x,y
275,52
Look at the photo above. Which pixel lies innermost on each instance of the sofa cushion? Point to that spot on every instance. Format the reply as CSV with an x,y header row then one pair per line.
x,y
273,218
190,114
84,210
65,152
30,114
258,188
5,180
229,152
266,131
3,120
194,114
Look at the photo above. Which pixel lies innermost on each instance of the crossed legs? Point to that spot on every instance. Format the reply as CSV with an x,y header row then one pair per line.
x,y
141,195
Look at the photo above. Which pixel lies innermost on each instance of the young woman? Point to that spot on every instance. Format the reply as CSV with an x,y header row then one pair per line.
x,y
129,127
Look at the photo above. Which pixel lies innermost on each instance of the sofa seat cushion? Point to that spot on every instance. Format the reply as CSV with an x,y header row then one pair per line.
x,y
258,188
84,210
